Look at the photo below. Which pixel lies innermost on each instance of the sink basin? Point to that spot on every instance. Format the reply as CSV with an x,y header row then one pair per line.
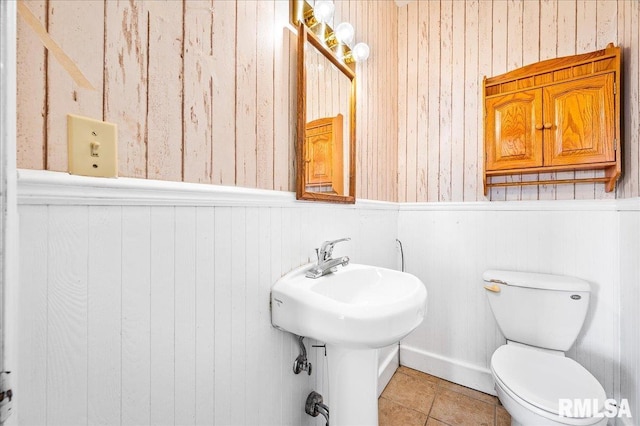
x,y
356,306
355,310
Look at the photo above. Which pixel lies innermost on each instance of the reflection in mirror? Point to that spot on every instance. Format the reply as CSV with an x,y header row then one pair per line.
x,y
326,124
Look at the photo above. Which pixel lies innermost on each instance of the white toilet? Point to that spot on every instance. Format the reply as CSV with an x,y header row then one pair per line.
x,y
541,316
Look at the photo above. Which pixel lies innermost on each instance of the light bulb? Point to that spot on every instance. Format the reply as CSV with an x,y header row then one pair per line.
x,y
323,10
360,52
344,33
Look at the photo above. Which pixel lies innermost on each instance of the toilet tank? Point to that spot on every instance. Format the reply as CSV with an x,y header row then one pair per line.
x,y
541,310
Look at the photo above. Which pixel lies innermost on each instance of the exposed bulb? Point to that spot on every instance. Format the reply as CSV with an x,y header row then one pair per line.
x,y
360,52
344,33
323,10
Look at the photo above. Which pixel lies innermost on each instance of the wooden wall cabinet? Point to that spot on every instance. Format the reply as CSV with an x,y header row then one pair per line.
x,y
558,115
324,170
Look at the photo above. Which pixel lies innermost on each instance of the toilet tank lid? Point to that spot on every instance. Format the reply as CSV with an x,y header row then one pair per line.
x,y
536,280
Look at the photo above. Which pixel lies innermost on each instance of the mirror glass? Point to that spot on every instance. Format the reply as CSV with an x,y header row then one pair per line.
x,y
326,124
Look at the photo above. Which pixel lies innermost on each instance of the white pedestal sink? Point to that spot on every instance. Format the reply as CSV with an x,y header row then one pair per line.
x,y
355,311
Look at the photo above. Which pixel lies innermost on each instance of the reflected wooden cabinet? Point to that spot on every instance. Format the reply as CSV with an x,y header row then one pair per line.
x,y
558,115
324,152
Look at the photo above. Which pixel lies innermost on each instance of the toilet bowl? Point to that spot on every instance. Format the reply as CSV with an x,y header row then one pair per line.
x,y
530,384
541,316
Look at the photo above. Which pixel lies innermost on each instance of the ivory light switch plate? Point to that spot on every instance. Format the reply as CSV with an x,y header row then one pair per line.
x,y
93,147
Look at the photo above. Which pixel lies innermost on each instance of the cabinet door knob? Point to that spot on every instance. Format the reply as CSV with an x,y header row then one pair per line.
x,y
548,125
539,127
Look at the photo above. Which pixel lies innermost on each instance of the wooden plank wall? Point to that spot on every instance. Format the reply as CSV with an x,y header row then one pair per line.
x,y
445,49
202,90
154,315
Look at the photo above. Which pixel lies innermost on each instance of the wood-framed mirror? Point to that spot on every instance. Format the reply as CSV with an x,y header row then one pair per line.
x,y
326,145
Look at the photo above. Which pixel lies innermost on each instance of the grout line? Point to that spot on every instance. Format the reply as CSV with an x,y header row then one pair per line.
x,y
438,389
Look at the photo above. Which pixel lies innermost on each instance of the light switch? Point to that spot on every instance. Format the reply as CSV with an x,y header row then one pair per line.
x,y
93,147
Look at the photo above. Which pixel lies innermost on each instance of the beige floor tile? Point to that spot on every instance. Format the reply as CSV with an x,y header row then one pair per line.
x,y
434,422
502,416
461,410
419,374
411,392
391,413
469,392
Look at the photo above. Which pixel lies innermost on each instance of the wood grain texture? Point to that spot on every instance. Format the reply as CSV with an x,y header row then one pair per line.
x,y
423,106
126,82
73,26
201,90
224,96
562,114
165,91
485,11
198,87
31,121
471,159
412,102
403,99
113,51
607,29
246,81
548,50
514,60
566,42
433,132
586,21
530,37
509,34
265,77
499,40
282,115
631,36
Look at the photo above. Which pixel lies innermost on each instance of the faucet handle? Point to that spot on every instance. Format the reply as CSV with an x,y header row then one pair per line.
x,y
327,248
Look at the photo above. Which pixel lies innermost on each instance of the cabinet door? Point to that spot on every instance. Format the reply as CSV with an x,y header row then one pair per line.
x,y
319,153
579,121
512,140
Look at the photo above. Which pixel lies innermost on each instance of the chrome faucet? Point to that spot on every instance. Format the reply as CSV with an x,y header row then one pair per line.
x,y
326,264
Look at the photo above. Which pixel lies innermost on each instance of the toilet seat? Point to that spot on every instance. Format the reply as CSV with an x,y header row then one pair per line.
x,y
540,379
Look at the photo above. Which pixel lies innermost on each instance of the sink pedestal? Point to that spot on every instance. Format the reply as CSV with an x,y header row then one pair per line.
x,y
353,386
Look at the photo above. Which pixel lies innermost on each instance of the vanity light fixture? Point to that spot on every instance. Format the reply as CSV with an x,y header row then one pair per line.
x,y
340,40
360,52
323,10
344,33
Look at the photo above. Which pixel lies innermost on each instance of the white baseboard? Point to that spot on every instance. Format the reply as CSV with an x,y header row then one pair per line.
x,y
388,366
449,369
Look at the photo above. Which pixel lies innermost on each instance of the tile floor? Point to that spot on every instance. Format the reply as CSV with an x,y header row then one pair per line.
x,y
413,398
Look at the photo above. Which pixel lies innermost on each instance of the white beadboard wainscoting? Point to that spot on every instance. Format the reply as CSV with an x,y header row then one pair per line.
x,y
630,311
449,245
147,302
144,302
